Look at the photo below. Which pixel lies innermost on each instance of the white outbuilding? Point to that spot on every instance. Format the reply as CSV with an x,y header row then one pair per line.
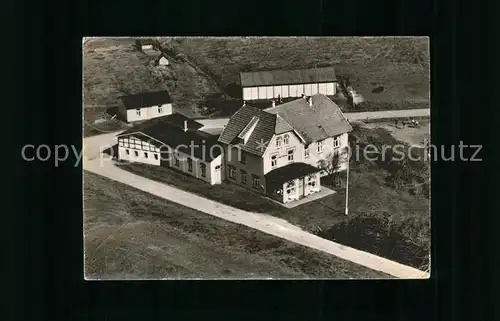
x,y
288,83
146,105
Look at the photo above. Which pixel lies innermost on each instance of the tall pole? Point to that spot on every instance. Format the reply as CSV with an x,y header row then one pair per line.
x,y
347,188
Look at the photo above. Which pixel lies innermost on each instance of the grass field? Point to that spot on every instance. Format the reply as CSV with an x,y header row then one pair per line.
x,y
132,234
400,65
230,194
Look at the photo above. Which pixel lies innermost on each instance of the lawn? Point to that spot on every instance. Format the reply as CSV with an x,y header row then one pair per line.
x,y
389,205
230,194
132,234
399,65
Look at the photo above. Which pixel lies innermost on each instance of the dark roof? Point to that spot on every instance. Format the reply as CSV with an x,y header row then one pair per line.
x,y
321,120
145,42
146,99
285,77
266,126
291,171
170,131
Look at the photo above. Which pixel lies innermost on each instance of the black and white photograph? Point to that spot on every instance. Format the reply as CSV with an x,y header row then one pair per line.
x,y
256,158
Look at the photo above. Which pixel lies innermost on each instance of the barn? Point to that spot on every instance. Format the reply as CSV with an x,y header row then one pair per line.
x,y
288,83
167,141
146,105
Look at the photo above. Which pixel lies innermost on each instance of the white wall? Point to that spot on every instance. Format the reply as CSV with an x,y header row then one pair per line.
x,y
328,147
247,93
284,91
136,145
196,171
282,152
270,92
255,93
149,112
252,165
314,89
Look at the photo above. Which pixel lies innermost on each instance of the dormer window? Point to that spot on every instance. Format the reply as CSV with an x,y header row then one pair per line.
x,y
279,140
138,112
160,109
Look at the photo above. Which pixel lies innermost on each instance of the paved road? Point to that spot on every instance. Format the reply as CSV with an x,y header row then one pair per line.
x,y
100,164
221,122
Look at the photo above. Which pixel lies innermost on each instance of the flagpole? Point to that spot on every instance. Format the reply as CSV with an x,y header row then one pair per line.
x,y
347,188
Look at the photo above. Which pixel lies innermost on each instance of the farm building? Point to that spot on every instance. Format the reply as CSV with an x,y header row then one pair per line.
x,y
146,44
162,60
167,141
146,105
288,83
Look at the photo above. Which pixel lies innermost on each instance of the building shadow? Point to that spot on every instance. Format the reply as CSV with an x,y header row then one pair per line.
x,y
233,90
112,151
114,111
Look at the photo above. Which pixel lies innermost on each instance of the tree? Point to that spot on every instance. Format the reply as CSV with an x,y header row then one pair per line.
x,y
331,164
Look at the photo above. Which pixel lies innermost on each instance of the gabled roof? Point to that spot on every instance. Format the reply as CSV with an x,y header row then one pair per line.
x,y
289,172
321,120
286,77
264,129
146,99
169,130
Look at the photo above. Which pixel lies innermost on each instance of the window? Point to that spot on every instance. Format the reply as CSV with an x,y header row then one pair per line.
x,y
232,171
256,181
138,112
120,143
243,176
160,109
274,160
190,164
145,155
203,168
336,142
177,163
243,159
290,187
320,146
156,156
290,153
279,139
311,180
286,140
136,153
127,151
306,152
217,168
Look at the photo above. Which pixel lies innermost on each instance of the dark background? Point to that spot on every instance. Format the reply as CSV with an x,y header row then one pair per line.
x,y
44,87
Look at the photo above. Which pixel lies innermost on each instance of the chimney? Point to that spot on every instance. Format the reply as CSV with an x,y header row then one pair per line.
x,y
310,101
273,102
185,125
244,103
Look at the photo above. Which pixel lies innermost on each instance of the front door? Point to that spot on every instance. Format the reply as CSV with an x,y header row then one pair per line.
x,y
301,187
217,177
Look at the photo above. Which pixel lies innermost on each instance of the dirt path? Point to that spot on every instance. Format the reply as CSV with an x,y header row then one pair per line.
x,y
95,162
